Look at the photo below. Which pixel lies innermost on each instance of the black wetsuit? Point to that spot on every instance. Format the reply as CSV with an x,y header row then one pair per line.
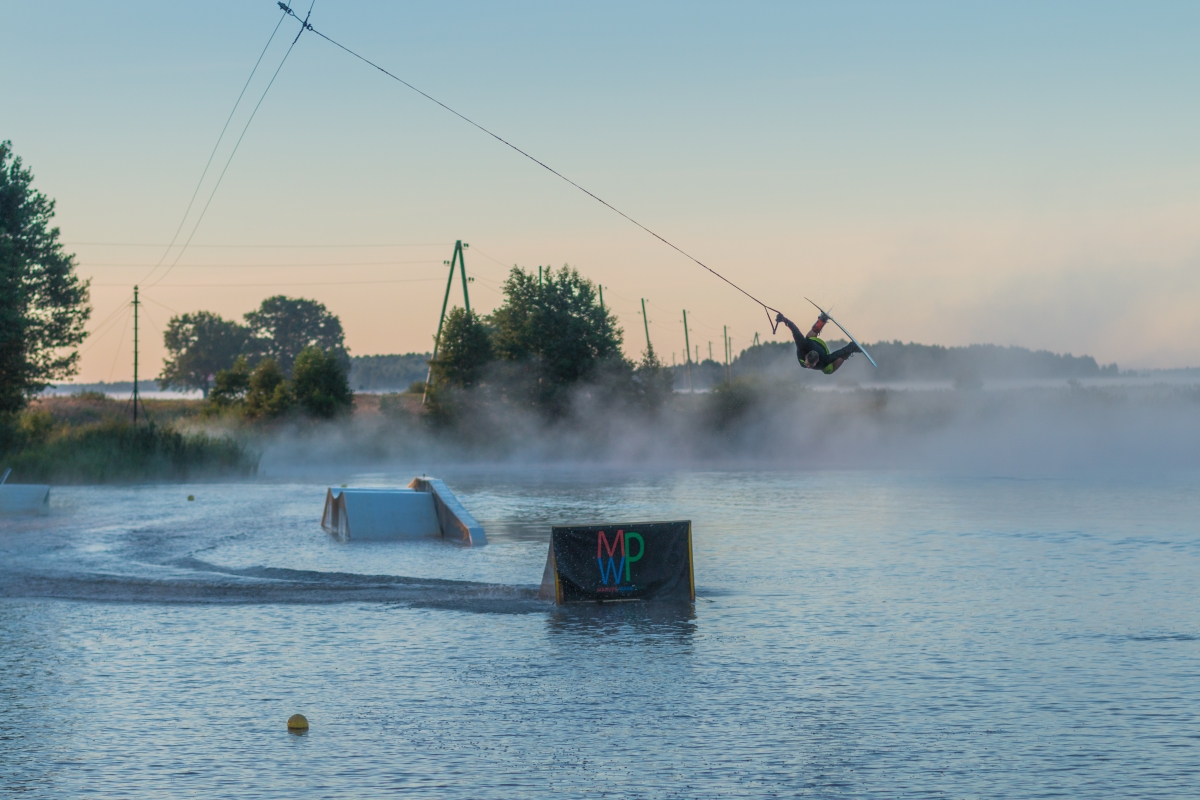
x,y
826,359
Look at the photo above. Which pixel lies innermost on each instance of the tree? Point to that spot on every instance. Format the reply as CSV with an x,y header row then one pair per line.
x,y
652,382
557,327
465,349
43,303
319,384
230,385
464,352
283,326
269,395
198,346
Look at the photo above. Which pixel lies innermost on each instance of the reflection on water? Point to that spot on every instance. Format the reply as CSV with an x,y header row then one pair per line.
x,y
626,619
856,634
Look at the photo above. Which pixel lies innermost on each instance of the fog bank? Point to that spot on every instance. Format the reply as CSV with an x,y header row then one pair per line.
x,y
1008,432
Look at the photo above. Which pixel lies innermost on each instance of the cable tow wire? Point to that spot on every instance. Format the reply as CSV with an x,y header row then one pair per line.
x,y
237,144
213,154
306,26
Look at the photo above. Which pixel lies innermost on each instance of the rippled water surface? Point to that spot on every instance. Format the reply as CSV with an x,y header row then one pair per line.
x,y
857,634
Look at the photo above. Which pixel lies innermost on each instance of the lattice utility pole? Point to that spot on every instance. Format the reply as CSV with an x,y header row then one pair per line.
x,y
458,259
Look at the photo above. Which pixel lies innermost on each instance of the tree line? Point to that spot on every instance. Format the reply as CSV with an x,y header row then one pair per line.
x,y
550,339
289,355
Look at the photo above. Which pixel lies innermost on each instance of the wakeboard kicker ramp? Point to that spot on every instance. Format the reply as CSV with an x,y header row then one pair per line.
x,y
427,508
635,561
23,498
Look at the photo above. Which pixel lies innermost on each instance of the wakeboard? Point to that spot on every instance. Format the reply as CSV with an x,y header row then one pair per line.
x,y
848,336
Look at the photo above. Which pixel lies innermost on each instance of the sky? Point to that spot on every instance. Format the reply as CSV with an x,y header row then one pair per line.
x,y
945,173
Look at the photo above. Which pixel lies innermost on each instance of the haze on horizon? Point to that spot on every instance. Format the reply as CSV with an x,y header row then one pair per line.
x,y
1017,175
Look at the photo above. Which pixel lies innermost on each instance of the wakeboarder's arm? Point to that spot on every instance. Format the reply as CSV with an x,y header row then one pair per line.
x,y
779,317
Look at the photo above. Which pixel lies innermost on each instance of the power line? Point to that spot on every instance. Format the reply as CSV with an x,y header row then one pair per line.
x,y
164,305
157,327
232,153
292,265
211,155
96,333
240,246
306,26
494,260
274,283
117,355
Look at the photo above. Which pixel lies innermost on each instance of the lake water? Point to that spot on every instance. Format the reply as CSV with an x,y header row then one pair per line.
x,y
856,634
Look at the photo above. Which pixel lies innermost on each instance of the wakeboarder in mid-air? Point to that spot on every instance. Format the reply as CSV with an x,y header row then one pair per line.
x,y
811,350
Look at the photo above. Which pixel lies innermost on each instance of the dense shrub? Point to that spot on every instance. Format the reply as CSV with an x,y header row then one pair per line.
x,y
318,388
319,384
269,395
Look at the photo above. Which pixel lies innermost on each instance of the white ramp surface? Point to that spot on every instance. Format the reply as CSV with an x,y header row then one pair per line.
x,y
380,515
457,523
24,498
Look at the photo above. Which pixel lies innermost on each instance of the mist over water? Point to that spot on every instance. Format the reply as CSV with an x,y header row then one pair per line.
x,y
925,594
1060,430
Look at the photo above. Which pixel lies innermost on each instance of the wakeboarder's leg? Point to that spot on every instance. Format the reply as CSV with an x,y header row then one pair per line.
x,y
839,356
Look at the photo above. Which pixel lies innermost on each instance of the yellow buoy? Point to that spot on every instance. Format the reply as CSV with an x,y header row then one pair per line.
x,y
297,722
191,497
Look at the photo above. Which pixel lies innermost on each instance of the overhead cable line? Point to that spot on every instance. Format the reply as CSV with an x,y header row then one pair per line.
x,y
247,246
237,144
117,354
493,260
157,327
100,333
104,327
304,25
292,265
274,283
211,155
164,305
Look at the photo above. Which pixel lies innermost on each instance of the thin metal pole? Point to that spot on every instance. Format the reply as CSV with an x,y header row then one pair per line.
x,y
646,323
725,336
687,346
135,354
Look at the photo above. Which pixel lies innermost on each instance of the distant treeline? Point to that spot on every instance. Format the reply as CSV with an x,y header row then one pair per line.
x,y
116,387
388,372
367,374
904,362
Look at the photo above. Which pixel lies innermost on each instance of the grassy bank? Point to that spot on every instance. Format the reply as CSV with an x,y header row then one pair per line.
x,y
89,439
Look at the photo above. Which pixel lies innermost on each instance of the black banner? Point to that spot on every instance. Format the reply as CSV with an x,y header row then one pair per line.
x,y
637,561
